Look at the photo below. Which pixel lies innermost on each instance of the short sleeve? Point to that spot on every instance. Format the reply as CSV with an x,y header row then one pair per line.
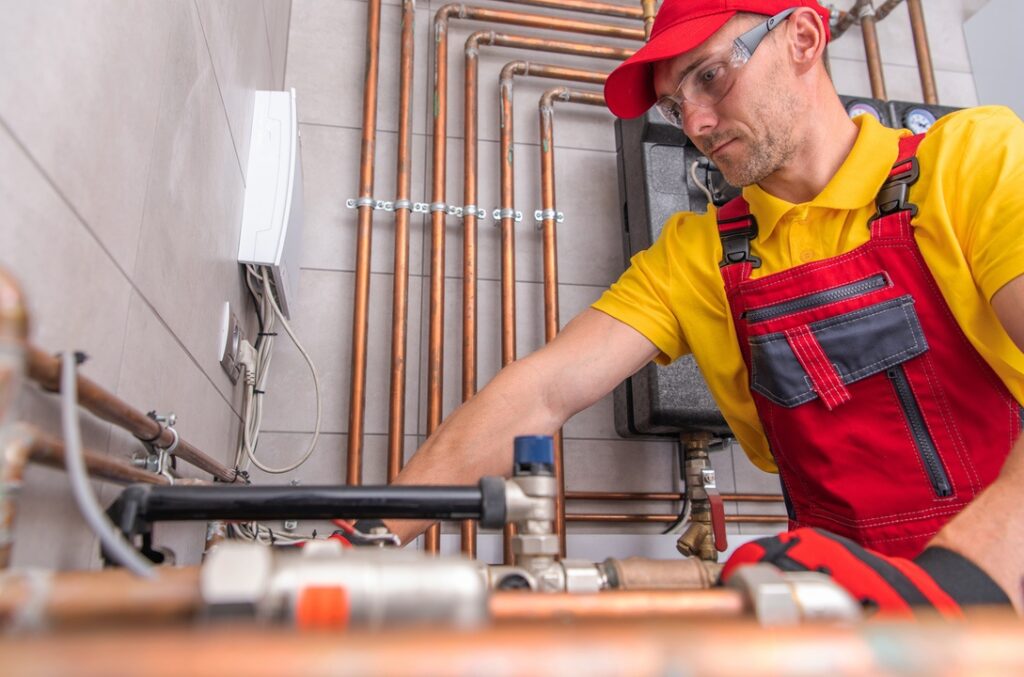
x,y
641,298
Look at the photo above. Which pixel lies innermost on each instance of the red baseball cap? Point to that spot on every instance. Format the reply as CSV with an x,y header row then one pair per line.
x,y
681,25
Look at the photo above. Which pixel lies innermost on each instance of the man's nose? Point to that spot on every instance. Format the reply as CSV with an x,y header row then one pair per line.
x,y
698,120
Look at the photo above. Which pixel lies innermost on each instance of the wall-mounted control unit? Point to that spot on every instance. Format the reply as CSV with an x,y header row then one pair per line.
x,y
272,216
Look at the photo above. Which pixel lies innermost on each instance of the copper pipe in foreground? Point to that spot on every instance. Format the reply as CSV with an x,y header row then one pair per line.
x,y
45,370
987,646
924,52
546,109
91,599
664,496
872,53
13,335
604,9
435,350
525,607
668,519
20,444
400,292
364,232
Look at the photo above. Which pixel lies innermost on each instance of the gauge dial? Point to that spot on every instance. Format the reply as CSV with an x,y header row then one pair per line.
x,y
918,120
863,108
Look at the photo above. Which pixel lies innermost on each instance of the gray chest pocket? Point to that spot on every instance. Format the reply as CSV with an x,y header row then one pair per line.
x,y
858,344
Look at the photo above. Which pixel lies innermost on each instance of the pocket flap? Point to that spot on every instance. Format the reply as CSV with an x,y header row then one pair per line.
x,y
858,344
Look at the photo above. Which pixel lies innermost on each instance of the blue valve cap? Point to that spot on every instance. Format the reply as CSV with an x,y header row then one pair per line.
x,y
534,454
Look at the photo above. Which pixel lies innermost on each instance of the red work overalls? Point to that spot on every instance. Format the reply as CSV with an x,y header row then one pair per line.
x,y
882,417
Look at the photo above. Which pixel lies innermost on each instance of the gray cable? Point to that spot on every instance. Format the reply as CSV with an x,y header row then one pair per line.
x,y
113,542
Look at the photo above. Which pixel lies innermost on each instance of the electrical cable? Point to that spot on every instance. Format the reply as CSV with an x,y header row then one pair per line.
x,y
114,543
696,182
684,510
252,403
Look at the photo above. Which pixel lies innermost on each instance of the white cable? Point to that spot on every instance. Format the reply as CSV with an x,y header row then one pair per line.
x,y
696,182
250,428
113,541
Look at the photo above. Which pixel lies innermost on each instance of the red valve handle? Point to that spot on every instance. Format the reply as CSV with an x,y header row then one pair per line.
x,y
717,519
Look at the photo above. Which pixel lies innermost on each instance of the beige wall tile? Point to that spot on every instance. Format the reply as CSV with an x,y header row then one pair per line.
x,y
236,36
188,250
323,323
326,63
331,175
278,20
81,91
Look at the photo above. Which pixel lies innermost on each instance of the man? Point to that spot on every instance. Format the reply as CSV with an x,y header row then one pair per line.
x,y
857,314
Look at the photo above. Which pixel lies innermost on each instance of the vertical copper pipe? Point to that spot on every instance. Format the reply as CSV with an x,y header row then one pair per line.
x,y
872,53
44,369
469,248
400,293
357,392
649,11
551,324
924,53
440,100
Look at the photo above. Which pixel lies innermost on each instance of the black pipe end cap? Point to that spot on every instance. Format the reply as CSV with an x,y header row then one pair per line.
x,y
492,502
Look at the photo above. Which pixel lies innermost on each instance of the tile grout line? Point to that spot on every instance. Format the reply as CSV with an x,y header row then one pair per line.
x,y
131,283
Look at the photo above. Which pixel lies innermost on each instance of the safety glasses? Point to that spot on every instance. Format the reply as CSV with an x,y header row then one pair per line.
x,y
710,79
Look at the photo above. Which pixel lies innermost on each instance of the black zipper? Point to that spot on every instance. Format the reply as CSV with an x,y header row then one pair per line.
x,y
821,298
922,439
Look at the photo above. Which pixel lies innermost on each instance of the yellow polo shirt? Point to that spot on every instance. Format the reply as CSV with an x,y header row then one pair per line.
x,y
970,231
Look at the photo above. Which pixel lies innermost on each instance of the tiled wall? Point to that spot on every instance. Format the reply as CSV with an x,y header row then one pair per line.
x,y
325,65
124,130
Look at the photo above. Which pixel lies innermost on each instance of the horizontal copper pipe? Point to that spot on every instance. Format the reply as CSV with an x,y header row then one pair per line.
x,y
45,370
988,646
496,39
92,599
668,519
553,23
602,8
654,496
644,605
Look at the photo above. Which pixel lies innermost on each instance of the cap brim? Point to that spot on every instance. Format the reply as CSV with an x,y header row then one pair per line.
x,y
629,89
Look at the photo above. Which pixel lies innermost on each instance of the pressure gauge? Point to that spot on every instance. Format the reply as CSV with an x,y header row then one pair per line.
x,y
863,108
919,120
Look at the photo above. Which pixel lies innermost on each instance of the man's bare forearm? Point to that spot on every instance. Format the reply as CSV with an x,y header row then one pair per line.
x,y
990,531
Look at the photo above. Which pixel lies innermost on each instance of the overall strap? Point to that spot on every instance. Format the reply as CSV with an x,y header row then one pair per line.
x,y
737,227
895,210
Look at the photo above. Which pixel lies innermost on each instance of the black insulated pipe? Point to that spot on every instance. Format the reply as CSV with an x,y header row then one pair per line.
x,y
140,505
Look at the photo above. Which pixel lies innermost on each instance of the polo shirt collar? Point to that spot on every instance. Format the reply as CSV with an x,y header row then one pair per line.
x,y
855,184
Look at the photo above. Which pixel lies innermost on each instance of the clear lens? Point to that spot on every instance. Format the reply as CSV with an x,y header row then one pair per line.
x,y
704,86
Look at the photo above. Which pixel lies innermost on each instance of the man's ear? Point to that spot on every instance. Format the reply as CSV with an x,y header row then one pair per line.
x,y
805,35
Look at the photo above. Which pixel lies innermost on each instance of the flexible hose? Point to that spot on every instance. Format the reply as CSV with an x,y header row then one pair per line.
x,y
113,541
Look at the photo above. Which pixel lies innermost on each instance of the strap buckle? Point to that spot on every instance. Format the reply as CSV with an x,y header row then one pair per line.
x,y
736,242
894,194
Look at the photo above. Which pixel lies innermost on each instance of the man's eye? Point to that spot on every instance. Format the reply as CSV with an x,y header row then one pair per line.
x,y
711,74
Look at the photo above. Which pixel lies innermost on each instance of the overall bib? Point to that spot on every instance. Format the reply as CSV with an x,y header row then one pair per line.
x,y
882,417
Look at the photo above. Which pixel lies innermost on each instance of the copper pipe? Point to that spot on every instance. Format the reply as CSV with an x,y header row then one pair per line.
x,y
668,519
985,646
640,573
44,369
924,52
13,335
91,599
400,293
604,9
20,444
649,11
547,174
364,232
654,496
872,53
494,39
435,350
619,605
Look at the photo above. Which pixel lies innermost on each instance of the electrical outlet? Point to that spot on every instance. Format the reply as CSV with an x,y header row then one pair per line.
x,y
231,337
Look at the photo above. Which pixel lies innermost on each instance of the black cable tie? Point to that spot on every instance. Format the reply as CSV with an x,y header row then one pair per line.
x,y
267,333
259,392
